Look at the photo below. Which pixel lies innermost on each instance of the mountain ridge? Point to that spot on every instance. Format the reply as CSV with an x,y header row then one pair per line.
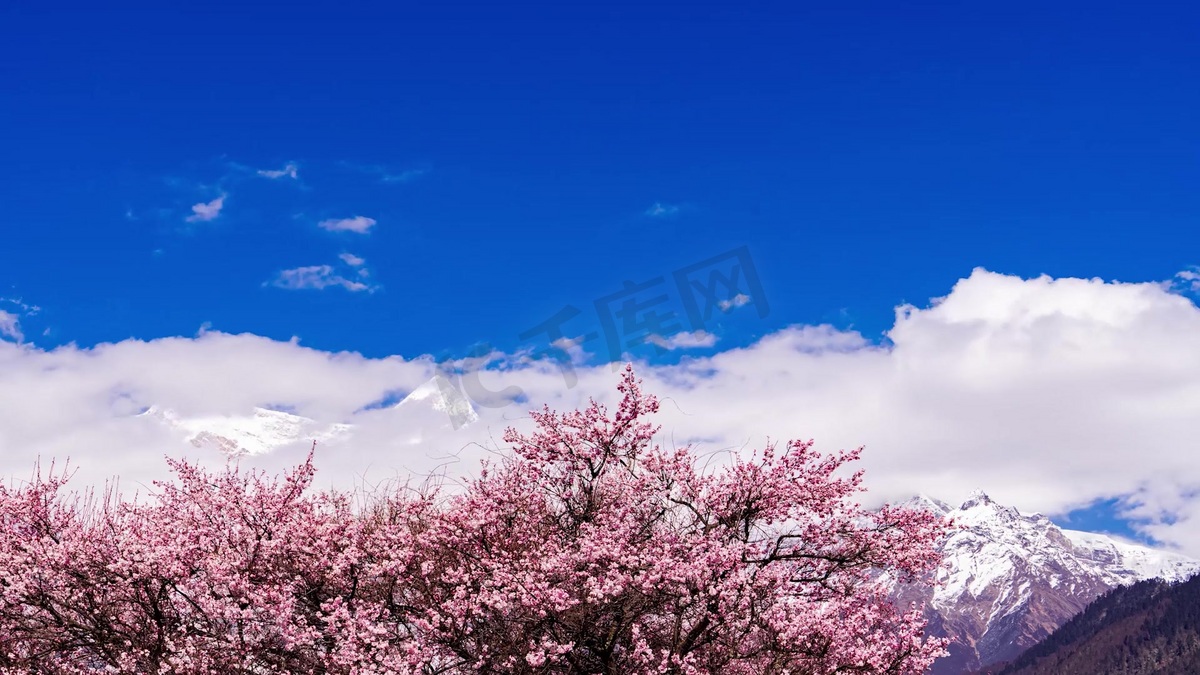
x,y
1009,580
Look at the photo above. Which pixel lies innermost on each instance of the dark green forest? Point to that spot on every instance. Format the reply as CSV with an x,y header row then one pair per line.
x,y
1149,628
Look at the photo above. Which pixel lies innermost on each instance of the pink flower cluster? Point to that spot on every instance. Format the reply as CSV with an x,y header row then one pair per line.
x,y
588,550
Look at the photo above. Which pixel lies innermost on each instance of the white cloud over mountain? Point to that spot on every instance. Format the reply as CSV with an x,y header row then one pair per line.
x,y
1048,393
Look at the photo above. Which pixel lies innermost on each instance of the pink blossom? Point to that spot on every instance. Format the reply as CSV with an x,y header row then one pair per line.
x,y
588,549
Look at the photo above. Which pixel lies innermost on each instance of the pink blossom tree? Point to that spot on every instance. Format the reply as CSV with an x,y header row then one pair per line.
x,y
588,550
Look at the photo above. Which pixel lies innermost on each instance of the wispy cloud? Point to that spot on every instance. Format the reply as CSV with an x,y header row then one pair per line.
x,y
20,304
289,170
358,224
403,176
660,210
387,174
206,211
316,277
684,340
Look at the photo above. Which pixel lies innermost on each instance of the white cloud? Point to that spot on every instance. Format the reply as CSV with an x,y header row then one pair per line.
x,y
10,326
1188,280
351,259
288,171
316,277
739,300
573,348
80,403
684,340
1047,393
10,322
206,211
660,210
359,224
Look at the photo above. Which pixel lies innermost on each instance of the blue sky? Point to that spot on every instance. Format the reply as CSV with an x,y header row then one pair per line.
x,y
867,155
176,166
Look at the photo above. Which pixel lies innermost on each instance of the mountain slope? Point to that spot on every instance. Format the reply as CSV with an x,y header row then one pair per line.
x,y
1149,628
1009,580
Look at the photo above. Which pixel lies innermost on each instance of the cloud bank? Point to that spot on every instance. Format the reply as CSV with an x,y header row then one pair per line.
x,y
1047,393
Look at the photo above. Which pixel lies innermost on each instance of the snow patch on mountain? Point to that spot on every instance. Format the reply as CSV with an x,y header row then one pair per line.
x,y
260,432
438,403
444,397
1129,563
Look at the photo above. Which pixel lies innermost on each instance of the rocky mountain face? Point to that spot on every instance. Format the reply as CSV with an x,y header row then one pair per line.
x,y
1009,580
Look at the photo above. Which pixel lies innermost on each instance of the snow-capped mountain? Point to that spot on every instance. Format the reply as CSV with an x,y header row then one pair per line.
x,y
1010,579
437,403
257,433
444,397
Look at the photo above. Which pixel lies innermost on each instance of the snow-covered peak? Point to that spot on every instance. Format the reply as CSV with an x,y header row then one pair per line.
x,y
1008,578
1128,562
976,498
996,542
262,431
923,502
435,404
445,397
